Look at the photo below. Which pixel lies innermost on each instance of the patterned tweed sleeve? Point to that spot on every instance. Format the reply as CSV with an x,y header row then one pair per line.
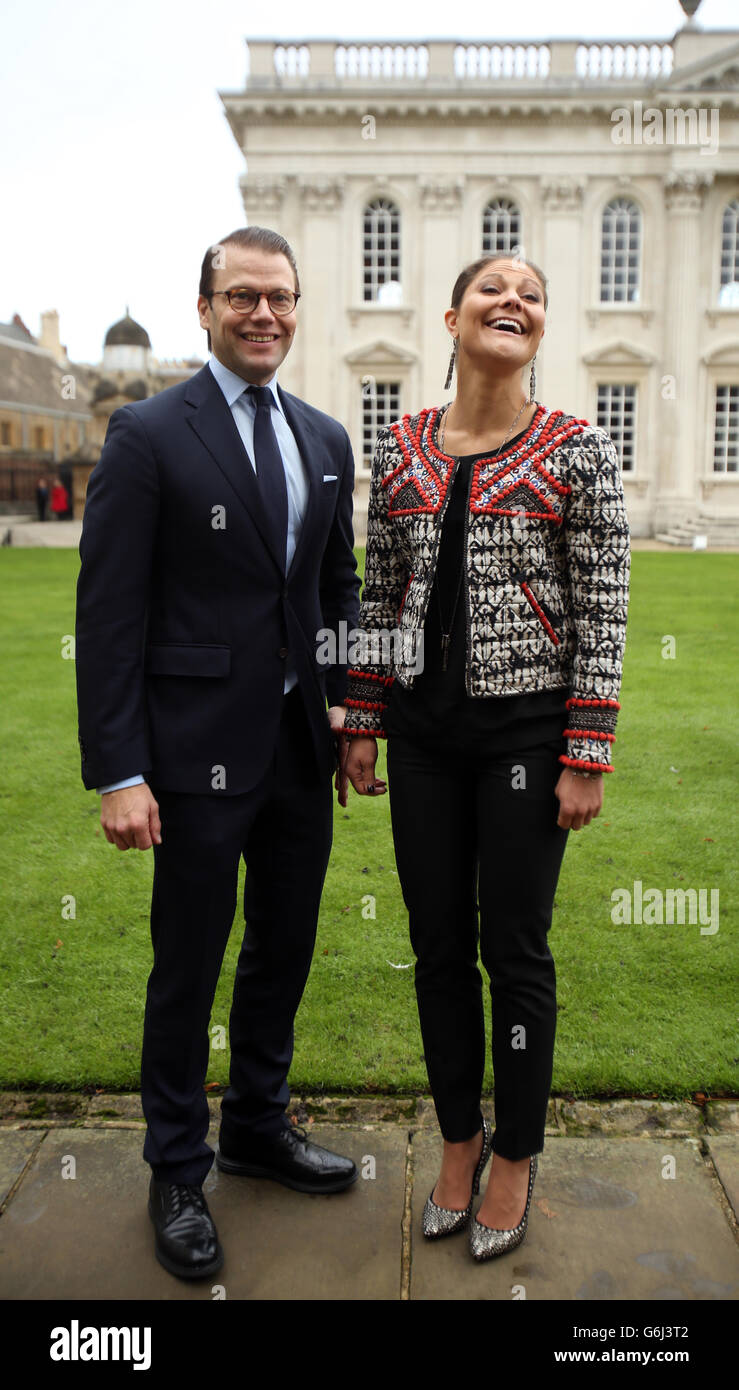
x,y
599,560
385,581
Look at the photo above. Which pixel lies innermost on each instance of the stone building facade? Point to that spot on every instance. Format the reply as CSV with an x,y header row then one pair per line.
x,y
614,166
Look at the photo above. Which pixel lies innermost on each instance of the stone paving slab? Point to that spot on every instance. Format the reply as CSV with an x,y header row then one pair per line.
x,y
604,1225
90,1237
621,1117
287,1245
724,1151
722,1116
15,1151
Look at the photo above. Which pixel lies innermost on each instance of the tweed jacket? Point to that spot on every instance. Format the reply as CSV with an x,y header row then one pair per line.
x,y
546,573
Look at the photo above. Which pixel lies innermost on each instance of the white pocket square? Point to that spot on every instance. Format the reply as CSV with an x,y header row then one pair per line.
x,y
330,477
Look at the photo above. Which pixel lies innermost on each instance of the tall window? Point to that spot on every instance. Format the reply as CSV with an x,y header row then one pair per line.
x,y
382,251
617,416
620,252
726,430
501,226
729,291
39,440
380,406
5,433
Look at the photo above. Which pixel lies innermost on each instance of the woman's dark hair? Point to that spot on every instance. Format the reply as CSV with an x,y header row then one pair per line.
x,y
466,276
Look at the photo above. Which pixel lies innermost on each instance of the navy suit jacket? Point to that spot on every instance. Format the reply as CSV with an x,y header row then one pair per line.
x,y
185,616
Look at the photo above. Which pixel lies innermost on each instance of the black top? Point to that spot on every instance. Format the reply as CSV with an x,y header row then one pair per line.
x,y
438,705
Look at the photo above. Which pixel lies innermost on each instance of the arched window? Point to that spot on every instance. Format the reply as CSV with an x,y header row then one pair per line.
x,y
501,226
382,251
620,254
728,295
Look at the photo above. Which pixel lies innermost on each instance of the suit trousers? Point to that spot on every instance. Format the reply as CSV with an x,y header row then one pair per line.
x,y
474,833
283,828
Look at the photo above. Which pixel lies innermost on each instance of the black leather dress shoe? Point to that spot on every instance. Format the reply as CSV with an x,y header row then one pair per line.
x,y
186,1238
290,1158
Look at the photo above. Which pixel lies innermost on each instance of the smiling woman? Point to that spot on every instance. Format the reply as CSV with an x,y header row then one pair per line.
x,y
497,537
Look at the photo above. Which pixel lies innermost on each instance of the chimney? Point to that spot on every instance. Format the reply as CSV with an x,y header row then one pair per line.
x,y
49,338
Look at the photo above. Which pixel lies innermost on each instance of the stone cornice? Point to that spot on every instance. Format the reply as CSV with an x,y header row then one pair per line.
x,y
245,109
594,314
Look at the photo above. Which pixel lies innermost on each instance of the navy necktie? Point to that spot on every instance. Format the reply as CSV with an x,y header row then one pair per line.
x,y
270,468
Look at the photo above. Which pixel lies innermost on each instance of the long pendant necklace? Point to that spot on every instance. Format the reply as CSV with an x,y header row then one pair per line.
x,y
446,637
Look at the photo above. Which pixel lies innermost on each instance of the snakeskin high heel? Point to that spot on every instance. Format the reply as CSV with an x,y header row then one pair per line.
x,y
443,1221
486,1243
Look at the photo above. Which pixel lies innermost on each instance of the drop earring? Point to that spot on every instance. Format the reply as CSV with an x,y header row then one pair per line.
x,y
452,361
532,380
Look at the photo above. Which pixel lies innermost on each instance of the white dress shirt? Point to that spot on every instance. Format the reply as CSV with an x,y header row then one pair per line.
x,y
243,408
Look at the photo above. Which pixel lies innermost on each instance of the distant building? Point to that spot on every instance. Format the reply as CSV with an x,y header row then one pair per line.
x,y
128,372
389,166
44,411
54,413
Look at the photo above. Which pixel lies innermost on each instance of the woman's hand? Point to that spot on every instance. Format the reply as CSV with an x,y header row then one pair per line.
x,y
580,799
357,758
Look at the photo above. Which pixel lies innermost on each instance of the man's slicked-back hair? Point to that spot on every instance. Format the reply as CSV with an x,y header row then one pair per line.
x,y
466,276
244,237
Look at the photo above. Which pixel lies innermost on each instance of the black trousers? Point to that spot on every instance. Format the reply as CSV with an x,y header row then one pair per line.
x,y
468,825
283,828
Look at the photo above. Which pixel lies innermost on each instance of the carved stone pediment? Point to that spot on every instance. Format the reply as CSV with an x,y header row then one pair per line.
x,y
716,73
725,355
619,354
380,353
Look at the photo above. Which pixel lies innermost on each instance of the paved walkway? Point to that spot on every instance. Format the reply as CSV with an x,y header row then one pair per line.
x,y
24,531
634,1200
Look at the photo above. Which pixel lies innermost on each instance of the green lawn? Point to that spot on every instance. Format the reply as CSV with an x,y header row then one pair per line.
x,y
644,1009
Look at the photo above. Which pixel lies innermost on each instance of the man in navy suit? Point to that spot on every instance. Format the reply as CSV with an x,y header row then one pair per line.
x,y
217,542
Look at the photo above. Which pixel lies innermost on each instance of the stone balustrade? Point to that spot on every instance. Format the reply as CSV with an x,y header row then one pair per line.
x,y
316,63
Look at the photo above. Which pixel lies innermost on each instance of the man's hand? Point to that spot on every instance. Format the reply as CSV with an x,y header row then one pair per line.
x,y
130,817
336,717
580,799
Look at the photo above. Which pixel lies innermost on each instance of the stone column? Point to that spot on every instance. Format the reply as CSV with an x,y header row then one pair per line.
x,y
321,326
440,209
562,199
680,443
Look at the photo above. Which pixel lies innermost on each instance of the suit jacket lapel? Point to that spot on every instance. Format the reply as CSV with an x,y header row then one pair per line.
x,y
313,453
215,427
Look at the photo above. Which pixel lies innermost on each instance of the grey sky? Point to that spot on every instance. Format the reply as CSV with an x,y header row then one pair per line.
x,y
118,166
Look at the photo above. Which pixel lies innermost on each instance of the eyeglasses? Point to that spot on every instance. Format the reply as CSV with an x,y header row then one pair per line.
x,y
244,301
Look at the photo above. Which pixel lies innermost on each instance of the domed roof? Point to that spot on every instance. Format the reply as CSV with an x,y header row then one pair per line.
x,y
127,332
